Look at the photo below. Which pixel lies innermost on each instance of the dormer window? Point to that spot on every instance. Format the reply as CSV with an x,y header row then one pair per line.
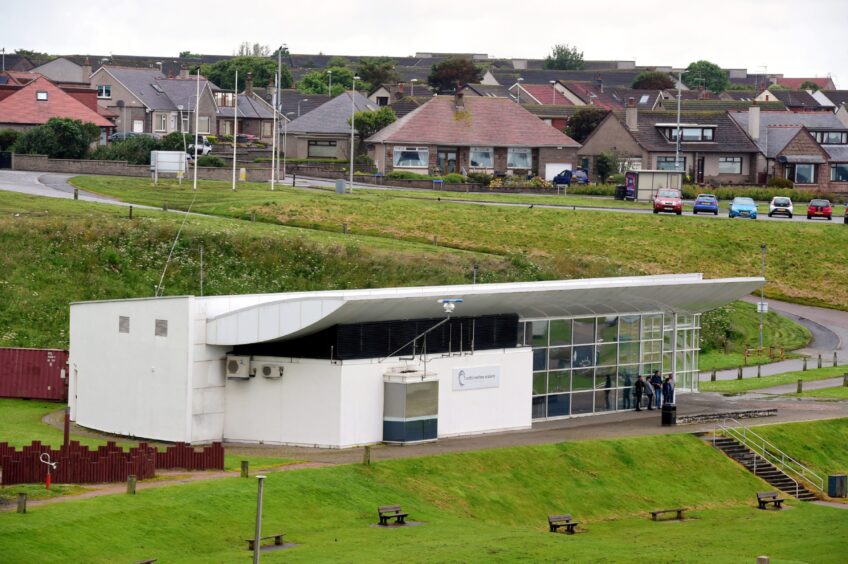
x,y
688,132
41,96
831,137
225,99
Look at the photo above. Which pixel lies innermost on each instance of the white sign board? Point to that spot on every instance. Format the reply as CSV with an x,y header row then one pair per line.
x,y
168,161
762,307
476,377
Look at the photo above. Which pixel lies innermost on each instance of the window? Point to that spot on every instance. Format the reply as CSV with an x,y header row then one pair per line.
x,y
730,165
267,129
688,133
226,127
519,158
801,173
161,122
161,329
104,91
411,157
382,100
185,123
321,149
138,126
225,99
482,157
203,125
41,96
831,137
839,172
667,163
123,324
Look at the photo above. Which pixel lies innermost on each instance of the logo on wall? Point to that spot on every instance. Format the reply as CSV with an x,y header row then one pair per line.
x,y
476,377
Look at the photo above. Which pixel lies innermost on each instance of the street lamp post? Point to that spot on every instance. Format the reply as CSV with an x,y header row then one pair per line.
x,y
518,89
553,91
352,114
330,83
762,304
298,105
285,133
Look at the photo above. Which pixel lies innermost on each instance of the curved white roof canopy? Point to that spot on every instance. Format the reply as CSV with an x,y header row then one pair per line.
x,y
270,317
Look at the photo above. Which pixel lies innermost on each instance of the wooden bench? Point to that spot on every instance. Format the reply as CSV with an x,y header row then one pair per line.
x,y
278,540
556,522
387,512
764,498
679,511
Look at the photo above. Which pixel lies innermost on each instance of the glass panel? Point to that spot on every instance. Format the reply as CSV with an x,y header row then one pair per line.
x,y
604,400
584,330
519,158
666,362
560,332
540,358
559,357
625,398
627,376
422,399
804,174
583,356
540,383
652,326
411,156
582,403
607,354
839,173
605,377
558,381
559,405
394,400
537,333
607,329
628,328
482,157
522,327
582,379
628,353
539,407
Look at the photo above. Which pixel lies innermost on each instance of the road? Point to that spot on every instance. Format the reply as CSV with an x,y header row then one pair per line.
x,y
48,184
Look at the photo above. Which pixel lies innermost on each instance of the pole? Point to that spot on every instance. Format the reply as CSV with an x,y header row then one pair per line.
x,y
274,133
279,101
762,291
258,533
67,428
235,131
196,127
677,140
352,114
201,270
330,84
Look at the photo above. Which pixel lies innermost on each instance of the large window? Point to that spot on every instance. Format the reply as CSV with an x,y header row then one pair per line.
x,y
482,157
225,99
668,163
104,91
268,129
203,125
519,158
730,165
801,173
839,172
831,137
700,133
161,122
321,148
411,157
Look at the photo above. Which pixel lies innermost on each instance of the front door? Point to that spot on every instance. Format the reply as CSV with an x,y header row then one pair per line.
x,y
446,160
700,170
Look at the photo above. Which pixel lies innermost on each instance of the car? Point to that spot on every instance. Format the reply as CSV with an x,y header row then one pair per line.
x,y
845,220
819,207
123,135
705,203
563,178
569,177
742,207
203,148
246,138
668,200
780,205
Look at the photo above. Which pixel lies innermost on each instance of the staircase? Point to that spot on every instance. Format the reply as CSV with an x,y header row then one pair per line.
x,y
762,468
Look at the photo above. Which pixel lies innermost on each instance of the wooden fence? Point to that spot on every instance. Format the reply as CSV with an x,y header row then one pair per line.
x,y
110,463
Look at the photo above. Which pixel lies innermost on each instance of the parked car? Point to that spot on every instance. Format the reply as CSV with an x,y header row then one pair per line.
x,y
705,203
668,200
569,177
819,208
204,148
742,207
123,135
780,205
246,138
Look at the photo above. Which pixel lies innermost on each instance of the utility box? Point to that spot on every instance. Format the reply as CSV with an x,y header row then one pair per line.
x,y
410,406
837,485
643,185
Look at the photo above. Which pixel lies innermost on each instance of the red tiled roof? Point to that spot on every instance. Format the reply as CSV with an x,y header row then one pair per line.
x,y
795,83
22,106
591,95
487,122
544,93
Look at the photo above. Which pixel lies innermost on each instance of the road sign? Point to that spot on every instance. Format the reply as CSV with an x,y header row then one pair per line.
x,y
762,307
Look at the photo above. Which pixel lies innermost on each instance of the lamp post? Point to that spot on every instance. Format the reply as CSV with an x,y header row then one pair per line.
x,y
330,83
352,114
518,89
677,166
762,305
285,133
412,86
4,58
553,91
298,105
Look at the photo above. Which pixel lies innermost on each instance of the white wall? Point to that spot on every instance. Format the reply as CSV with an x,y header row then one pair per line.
x,y
208,381
134,383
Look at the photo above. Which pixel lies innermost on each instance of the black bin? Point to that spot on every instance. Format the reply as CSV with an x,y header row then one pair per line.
x,y
620,191
669,414
837,484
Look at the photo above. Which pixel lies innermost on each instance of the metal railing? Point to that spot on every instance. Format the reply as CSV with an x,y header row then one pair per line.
x,y
768,452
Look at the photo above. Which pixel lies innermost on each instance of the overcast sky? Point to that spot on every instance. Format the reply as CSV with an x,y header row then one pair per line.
x,y
797,38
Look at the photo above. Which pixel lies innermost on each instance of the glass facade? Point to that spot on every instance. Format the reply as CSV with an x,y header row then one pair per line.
x,y
585,365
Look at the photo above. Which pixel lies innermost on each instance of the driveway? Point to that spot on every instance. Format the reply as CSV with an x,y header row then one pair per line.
x,y
50,185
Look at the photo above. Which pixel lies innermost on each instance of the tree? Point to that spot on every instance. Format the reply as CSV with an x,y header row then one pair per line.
x,y
246,49
653,80
706,75
368,123
776,86
377,70
584,122
222,73
317,82
605,164
337,61
189,55
135,150
564,57
453,73
809,85
59,138
8,138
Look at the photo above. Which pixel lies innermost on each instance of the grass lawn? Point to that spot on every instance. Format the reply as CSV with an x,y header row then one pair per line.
x,y
753,383
836,393
821,445
484,506
805,263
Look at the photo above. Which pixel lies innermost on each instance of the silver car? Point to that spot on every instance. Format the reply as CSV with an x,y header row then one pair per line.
x,y
780,205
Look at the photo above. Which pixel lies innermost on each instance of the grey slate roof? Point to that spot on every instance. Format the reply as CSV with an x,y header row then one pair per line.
x,y
491,90
837,153
332,116
773,124
729,138
622,78
155,90
289,98
796,98
645,99
250,107
838,97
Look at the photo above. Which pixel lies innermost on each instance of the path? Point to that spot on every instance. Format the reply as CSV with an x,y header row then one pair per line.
x,y
49,185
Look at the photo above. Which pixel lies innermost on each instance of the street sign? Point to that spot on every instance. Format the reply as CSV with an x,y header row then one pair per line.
x,y
762,307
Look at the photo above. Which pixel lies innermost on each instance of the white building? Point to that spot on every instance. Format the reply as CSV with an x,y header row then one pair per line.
x,y
353,367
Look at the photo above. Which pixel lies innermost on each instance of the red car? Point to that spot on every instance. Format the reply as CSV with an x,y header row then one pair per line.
x,y
668,200
819,208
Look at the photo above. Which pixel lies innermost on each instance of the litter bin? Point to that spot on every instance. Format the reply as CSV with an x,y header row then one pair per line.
x,y
620,191
340,186
837,485
669,414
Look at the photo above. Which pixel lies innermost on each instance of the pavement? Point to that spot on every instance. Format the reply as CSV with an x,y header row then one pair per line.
x,y
49,185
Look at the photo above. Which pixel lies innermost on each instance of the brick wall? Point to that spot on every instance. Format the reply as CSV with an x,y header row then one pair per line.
x,y
554,155
804,145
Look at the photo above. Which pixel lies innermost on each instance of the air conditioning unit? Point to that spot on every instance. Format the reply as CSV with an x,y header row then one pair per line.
x,y
238,366
270,370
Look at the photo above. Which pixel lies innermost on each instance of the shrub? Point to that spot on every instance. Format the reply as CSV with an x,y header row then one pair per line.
x,y
227,138
59,138
480,178
176,141
520,182
211,161
407,175
7,139
212,139
135,150
778,182
592,189
616,178
454,178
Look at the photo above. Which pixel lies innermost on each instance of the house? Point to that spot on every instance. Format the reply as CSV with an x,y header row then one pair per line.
x,y
794,100
540,94
717,105
490,90
325,131
33,104
62,69
462,133
387,94
713,148
255,115
811,149
146,101
824,83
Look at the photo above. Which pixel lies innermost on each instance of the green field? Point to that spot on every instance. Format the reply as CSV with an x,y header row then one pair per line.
x,y
749,383
836,393
805,263
821,445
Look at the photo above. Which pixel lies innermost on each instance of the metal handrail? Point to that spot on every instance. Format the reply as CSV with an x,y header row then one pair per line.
x,y
770,453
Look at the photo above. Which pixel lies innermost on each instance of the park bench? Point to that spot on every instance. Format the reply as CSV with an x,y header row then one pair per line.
x,y
556,522
764,498
392,512
278,540
679,511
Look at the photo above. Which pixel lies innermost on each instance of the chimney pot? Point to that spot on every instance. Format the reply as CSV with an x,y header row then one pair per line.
x,y
183,71
248,83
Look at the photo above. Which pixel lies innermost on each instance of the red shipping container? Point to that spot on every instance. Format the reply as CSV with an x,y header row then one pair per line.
x,y
34,374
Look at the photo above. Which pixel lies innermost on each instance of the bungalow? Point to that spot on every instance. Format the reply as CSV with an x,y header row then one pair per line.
x,y
255,115
794,100
325,131
472,134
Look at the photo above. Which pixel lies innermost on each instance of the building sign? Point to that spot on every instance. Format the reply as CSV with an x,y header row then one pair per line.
x,y
476,377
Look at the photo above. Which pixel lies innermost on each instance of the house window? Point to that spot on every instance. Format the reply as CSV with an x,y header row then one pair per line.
x,y
730,165
667,163
411,157
482,157
138,126
382,100
519,158
203,125
226,99
689,133
41,96
104,91
801,173
321,149
831,137
226,127
161,122
185,123
267,129
839,172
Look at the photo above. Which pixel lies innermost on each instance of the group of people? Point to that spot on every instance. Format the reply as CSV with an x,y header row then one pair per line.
x,y
655,390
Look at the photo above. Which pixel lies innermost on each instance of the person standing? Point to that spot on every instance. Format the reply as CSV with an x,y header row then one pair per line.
x,y
656,383
668,389
628,385
607,386
649,394
638,391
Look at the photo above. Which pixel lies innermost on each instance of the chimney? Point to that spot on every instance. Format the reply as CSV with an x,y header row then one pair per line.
x,y
86,70
631,115
459,101
599,82
248,84
399,93
754,122
183,71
